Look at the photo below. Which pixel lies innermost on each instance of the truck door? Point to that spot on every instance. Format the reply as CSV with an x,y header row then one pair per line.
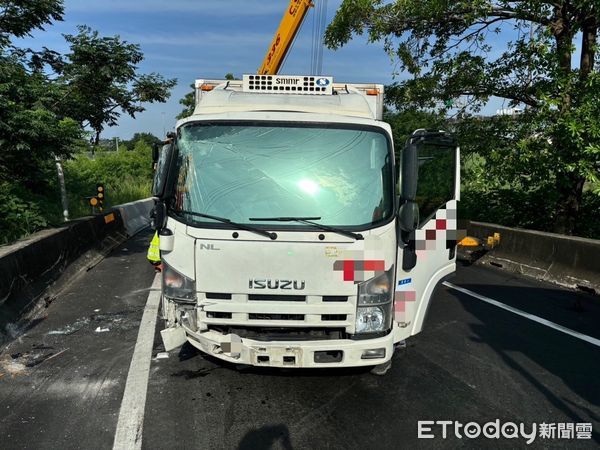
x,y
427,225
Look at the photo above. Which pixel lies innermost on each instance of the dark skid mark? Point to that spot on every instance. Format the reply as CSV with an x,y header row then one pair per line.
x,y
191,374
41,347
266,437
40,359
188,351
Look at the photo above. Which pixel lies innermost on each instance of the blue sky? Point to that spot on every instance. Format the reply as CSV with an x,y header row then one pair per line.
x,y
190,39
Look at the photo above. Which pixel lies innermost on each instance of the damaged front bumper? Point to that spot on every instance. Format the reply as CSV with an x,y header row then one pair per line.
x,y
331,353
183,326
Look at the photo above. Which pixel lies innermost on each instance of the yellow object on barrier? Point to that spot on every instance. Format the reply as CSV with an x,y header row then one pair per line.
x,y
469,242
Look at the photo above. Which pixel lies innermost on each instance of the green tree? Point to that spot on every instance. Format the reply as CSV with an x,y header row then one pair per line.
x,y
143,148
405,122
445,47
43,105
103,80
33,129
188,102
19,18
127,176
148,138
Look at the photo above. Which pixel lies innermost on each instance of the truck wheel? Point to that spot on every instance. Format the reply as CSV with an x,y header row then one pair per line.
x,y
382,369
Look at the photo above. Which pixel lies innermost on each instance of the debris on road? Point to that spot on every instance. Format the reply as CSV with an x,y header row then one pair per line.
x,y
162,355
102,330
12,367
56,354
19,361
38,360
73,328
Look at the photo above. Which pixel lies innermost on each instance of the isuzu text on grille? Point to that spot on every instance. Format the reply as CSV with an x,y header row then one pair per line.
x,y
276,284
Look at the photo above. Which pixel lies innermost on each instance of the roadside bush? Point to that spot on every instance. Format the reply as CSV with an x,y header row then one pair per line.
x,y
22,212
516,202
589,216
532,209
509,206
126,176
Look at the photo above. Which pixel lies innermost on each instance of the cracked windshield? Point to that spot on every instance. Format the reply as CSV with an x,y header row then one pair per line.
x,y
343,176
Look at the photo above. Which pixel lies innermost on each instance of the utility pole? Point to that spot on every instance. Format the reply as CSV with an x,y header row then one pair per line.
x,y
117,143
163,124
63,188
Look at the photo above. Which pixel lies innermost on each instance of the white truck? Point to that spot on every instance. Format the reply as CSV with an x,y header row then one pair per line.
x,y
288,235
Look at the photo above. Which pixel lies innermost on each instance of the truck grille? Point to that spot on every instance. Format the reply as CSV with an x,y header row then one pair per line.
x,y
333,317
283,334
218,296
252,316
277,310
218,315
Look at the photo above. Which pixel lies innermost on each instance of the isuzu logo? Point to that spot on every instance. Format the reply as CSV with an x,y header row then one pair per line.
x,y
297,285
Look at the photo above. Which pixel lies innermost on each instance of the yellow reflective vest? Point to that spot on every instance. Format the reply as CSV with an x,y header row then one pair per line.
x,y
154,249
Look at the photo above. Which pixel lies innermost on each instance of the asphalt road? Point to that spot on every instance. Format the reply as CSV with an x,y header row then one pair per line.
x,y
62,381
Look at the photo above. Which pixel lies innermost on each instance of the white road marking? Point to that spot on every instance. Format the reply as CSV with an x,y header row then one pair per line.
x,y
537,319
131,416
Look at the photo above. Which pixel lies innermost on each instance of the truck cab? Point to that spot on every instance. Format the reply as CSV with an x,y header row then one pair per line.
x,y
288,235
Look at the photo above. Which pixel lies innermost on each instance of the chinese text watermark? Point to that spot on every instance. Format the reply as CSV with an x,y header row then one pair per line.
x,y
430,429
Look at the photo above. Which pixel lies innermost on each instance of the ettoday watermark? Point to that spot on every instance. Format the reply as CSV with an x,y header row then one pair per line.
x,y
431,429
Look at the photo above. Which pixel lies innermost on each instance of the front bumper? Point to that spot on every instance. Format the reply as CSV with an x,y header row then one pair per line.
x,y
295,354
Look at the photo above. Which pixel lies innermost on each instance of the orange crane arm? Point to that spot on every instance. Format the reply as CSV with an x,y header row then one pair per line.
x,y
288,28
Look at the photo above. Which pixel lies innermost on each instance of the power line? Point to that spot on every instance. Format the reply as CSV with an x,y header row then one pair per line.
x,y
318,32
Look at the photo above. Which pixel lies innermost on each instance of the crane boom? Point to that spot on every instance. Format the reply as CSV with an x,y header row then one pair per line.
x,y
288,28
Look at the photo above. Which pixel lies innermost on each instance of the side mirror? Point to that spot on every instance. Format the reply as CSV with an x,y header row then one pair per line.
x,y
162,171
409,171
155,153
408,214
158,216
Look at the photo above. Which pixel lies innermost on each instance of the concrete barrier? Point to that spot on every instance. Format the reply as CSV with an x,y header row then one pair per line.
x,y
136,215
570,261
33,269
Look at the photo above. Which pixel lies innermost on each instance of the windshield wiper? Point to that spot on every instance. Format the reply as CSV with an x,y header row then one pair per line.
x,y
239,226
309,221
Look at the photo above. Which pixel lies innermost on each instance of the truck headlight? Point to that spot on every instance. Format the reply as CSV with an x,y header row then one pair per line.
x,y
373,311
370,319
177,286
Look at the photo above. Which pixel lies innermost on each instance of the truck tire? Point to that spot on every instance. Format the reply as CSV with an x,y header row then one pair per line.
x,y
382,369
